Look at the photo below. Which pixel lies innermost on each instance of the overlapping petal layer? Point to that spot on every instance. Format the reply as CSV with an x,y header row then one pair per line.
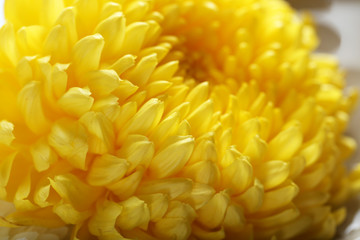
x,y
159,119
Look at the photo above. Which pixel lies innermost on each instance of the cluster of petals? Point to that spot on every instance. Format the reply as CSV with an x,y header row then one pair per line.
x,y
170,119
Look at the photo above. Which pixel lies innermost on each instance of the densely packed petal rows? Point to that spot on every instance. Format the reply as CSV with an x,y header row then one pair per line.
x,y
170,119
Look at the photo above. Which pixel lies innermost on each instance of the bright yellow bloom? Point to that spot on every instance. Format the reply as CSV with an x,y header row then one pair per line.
x,y
171,119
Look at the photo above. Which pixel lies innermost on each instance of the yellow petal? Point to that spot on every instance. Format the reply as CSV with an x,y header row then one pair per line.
x,y
174,187
200,195
165,72
75,191
168,228
42,154
311,199
135,213
126,187
312,153
40,217
234,218
158,205
165,128
69,214
69,139
204,151
8,50
103,221
87,52
212,214
205,234
279,197
50,11
123,63
172,159
145,119
285,144
29,100
136,10
31,38
134,37
106,169
103,82
56,44
67,19
157,87
76,101
238,176
59,79
200,118
6,132
277,219
141,73
138,151
109,106
100,130
113,31
252,199
255,149
206,172
273,173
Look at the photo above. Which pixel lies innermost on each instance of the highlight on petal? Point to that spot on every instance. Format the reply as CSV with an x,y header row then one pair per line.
x,y
6,132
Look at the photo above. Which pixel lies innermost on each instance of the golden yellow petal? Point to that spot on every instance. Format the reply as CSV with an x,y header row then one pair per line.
x,y
212,214
158,205
126,187
234,218
279,197
175,188
238,176
106,169
172,228
75,191
29,100
101,136
113,31
134,37
138,151
135,213
76,101
200,195
172,158
43,155
108,106
285,144
273,173
6,132
141,73
103,221
8,50
69,214
86,53
206,172
69,139
146,118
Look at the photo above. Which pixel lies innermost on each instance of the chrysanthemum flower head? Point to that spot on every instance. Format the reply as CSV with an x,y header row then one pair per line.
x,y
158,119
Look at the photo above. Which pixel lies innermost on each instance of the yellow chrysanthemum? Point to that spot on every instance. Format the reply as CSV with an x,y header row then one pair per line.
x,y
171,119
